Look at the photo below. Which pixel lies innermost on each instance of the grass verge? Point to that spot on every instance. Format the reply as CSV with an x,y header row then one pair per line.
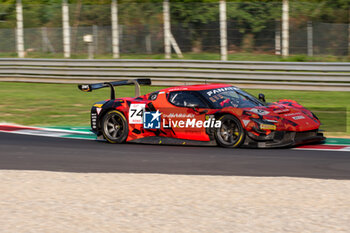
x,y
65,105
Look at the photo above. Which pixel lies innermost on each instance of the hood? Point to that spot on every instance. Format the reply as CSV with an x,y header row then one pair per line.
x,y
286,115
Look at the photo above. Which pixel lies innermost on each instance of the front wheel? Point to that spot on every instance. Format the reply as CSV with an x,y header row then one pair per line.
x,y
231,133
115,127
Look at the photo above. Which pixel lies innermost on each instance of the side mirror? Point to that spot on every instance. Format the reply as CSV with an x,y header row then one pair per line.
x,y
193,106
262,97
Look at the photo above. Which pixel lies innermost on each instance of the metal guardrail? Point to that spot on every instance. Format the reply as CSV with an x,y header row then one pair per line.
x,y
246,74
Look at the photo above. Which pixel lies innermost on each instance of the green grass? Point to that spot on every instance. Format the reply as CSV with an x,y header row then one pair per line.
x,y
52,104
196,56
65,105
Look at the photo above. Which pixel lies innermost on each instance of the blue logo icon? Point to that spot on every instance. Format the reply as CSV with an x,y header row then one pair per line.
x,y
151,120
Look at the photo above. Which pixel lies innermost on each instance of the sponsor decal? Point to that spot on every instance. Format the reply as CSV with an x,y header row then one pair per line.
x,y
219,90
151,120
98,105
281,110
259,111
293,114
246,122
136,113
298,117
192,123
156,120
98,110
267,127
179,115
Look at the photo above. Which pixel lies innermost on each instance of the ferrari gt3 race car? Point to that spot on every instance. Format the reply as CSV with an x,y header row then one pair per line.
x,y
205,114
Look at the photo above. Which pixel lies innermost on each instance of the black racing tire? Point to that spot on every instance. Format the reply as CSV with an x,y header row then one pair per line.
x,y
115,127
231,134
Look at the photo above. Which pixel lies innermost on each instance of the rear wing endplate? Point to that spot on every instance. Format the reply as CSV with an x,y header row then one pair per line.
x,y
136,82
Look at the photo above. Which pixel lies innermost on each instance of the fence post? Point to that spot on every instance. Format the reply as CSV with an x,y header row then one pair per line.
x,y
310,45
19,34
175,46
148,42
349,33
166,22
91,50
43,40
66,29
277,38
285,28
95,37
115,29
223,30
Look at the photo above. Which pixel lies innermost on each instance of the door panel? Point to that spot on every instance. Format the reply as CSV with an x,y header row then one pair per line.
x,y
179,119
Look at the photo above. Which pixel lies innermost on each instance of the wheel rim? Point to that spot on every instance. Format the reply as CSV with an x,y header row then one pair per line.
x,y
114,127
229,132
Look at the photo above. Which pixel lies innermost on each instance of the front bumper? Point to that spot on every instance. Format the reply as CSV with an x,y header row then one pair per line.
x,y
278,139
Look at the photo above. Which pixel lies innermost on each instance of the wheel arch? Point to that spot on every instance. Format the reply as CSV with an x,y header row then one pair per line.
x,y
102,126
104,112
243,134
220,114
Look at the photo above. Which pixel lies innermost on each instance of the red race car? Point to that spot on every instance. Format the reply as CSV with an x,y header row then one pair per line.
x,y
206,114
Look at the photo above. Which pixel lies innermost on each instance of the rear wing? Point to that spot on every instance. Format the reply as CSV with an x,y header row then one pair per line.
x,y
136,82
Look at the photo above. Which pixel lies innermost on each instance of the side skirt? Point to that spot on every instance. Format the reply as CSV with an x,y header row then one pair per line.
x,y
172,141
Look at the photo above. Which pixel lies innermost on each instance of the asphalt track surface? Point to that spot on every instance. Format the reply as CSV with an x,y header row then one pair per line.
x,y
24,152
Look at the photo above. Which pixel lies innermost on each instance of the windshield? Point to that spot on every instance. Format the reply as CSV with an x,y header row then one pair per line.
x,y
230,97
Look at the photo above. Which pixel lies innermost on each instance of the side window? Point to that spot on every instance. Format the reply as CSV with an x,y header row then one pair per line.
x,y
185,99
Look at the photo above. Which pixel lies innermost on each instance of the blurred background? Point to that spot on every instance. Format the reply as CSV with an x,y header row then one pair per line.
x,y
318,29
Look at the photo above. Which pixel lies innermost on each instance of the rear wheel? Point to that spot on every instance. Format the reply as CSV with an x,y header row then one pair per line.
x,y
115,127
231,133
